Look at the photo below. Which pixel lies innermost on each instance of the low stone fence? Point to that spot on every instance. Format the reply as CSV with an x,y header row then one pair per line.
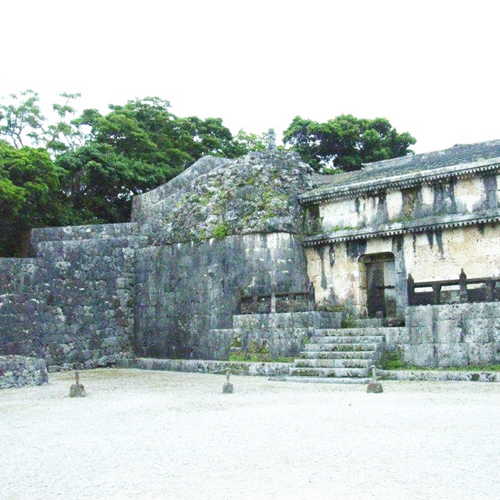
x,y
438,376
206,366
277,302
19,371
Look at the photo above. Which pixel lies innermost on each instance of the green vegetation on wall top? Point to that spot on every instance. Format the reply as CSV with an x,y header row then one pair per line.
x,y
93,163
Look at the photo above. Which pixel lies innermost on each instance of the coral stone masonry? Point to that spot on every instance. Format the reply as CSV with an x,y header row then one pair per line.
x,y
20,371
170,283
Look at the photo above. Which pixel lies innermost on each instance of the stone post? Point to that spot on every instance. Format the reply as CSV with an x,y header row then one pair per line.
x,y
490,290
311,297
464,296
436,288
271,140
411,290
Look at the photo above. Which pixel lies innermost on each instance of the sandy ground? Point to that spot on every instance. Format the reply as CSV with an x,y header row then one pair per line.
x,y
146,435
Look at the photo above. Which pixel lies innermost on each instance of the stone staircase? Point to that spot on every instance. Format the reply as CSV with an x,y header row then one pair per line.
x,y
342,355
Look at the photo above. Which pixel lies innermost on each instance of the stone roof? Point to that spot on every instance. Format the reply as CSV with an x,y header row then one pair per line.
x,y
408,170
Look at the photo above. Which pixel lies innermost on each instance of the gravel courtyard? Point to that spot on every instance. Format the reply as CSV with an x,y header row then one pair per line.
x,y
167,435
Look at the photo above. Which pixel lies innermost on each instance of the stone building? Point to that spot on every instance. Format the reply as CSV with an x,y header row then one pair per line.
x,y
228,237
432,219
428,215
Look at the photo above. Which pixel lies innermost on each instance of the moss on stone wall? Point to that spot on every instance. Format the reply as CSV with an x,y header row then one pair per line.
x,y
253,194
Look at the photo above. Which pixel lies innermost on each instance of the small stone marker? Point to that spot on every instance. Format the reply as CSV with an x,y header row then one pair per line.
x,y
271,140
77,390
227,388
374,386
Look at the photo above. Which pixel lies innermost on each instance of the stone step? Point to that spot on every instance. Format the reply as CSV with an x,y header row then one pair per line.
x,y
324,380
369,322
337,354
356,332
364,346
341,339
329,372
333,363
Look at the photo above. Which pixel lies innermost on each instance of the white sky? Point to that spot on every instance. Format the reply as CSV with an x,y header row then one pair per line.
x,y
430,67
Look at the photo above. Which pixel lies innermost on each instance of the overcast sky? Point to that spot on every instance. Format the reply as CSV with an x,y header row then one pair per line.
x,y
430,67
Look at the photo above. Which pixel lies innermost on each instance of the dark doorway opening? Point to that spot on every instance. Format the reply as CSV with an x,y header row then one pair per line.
x,y
380,284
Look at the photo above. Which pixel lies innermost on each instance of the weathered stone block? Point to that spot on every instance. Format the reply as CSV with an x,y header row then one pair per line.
x,y
478,330
19,371
448,331
455,354
419,317
420,335
396,336
483,354
445,312
419,355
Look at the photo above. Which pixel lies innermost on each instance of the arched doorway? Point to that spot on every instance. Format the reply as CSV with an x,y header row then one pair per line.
x,y
380,284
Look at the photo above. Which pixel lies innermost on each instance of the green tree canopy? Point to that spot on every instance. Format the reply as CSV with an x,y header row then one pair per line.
x,y
132,149
346,142
29,195
85,169
21,119
22,123
245,142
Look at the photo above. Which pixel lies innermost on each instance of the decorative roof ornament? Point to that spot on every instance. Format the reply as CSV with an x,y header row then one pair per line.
x,y
271,140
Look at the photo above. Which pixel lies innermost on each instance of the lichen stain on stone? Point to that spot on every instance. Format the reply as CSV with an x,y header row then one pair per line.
x,y
490,189
439,241
255,193
355,249
321,253
331,254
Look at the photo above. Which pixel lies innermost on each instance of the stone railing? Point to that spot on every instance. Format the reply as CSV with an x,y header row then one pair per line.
x,y
461,290
277,302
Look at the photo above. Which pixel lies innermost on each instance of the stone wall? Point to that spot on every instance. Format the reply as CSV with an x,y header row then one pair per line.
x,y
19,371
186,290
216,197
156,203
163,282
278,334
74,302
452,335
20,307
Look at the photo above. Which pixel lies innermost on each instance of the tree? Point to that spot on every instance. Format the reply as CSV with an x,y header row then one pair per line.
x,y
132,149
64,134
346,142
22,118
93,165
246,142
29,195
22,123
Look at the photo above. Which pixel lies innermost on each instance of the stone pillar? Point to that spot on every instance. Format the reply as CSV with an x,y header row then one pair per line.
x,y
464,296
271,140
